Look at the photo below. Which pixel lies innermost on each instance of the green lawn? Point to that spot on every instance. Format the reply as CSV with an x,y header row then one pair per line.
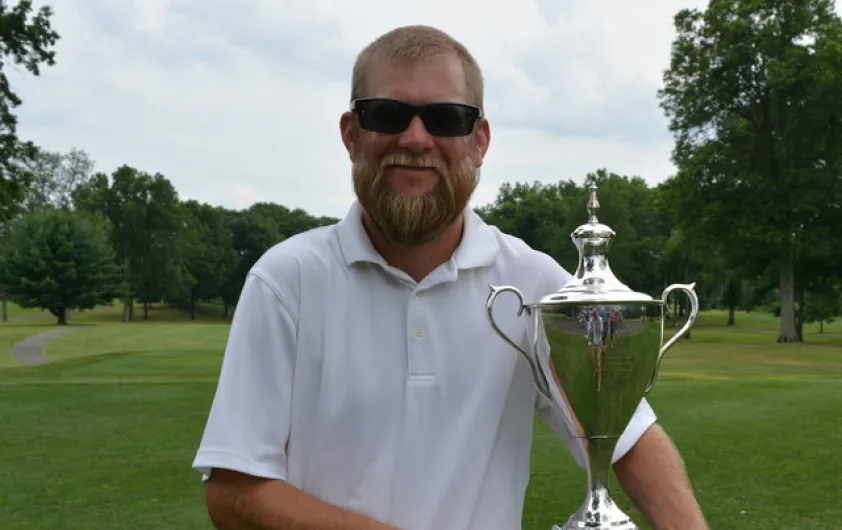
x,y
103,437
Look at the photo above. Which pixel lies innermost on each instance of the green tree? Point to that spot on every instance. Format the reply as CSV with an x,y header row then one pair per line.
x,y
732,295
207,253
59,261
143,210
289,222
252,234
27,40
824,304
754,98
535,212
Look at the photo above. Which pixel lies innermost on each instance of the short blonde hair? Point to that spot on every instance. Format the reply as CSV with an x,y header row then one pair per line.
x,y
416,43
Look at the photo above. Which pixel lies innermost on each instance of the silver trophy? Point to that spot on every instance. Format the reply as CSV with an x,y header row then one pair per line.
x,y
594,348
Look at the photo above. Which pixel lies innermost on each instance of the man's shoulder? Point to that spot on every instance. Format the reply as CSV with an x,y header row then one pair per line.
x,y
518,256
301,253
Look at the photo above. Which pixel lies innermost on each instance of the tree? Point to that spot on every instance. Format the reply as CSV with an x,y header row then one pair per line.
x,y
207,254
824,304
26,39
732,295
252,234
684,260
55,177
536,214
144,216
754,98
290,222
58,260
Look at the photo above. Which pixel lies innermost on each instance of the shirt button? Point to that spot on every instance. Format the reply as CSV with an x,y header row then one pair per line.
x,y
419,332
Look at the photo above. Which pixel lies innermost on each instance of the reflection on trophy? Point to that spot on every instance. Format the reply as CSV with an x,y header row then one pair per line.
x,y
595,347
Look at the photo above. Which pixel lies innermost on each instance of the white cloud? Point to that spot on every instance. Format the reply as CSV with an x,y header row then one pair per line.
x,y
149,16
239,101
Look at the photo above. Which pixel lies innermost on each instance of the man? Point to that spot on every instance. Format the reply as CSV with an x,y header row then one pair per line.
x,y
362,386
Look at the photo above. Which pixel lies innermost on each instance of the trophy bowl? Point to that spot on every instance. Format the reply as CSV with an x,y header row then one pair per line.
x,y
595,347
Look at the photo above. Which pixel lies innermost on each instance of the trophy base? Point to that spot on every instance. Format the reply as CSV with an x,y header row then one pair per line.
x,y
616,520
599,513
624,524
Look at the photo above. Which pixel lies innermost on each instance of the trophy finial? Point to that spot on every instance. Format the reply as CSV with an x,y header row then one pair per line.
x,y
593,240
593,204
593,235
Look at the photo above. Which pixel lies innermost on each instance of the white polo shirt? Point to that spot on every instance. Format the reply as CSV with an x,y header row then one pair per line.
x,y
390,397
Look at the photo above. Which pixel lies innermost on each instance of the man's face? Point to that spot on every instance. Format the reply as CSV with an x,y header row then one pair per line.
x,y
414,184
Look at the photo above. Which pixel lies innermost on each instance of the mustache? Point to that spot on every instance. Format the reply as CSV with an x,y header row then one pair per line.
x,y
413,160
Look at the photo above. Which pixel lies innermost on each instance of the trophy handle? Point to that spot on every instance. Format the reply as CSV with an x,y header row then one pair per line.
x,y
688,288
522,307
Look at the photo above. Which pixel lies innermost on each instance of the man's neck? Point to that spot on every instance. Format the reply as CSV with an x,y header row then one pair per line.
x,y
417,260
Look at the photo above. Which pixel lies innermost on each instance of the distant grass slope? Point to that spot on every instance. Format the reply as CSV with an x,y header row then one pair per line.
x,y
128,338
106,333
759,320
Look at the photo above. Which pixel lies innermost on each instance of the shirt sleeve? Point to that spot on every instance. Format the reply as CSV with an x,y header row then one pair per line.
x,y
561,421
643,418
248,425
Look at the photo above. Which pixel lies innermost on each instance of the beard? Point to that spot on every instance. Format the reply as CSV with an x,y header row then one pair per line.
x,y
406,220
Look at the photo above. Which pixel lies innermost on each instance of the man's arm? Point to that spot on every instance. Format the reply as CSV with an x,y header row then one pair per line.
x,y
236,501
653,475
244,446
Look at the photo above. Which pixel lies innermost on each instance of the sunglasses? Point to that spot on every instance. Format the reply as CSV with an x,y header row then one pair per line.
x,y
390,116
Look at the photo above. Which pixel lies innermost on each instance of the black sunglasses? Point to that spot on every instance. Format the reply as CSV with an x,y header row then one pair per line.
x,y
391,116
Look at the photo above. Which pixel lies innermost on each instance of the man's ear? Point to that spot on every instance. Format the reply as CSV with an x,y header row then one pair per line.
x,y
482,139
348,132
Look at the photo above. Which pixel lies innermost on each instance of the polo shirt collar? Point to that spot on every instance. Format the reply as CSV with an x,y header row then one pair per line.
x,y
478,248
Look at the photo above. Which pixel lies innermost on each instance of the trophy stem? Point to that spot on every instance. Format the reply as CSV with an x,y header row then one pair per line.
x,y
600,455
599,512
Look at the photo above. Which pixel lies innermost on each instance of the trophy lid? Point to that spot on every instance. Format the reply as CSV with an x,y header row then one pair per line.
x,y
594,282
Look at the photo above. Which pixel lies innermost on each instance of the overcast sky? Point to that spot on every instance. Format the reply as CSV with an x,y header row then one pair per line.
x,y
238,101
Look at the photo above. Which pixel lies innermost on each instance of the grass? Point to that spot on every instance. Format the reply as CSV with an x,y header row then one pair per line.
x,y
761,455
103,437
759,321
113,339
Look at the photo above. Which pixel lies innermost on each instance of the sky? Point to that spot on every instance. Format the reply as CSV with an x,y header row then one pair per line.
x,y
238,101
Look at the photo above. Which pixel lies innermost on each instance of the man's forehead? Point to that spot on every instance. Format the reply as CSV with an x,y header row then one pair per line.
x,y
437,78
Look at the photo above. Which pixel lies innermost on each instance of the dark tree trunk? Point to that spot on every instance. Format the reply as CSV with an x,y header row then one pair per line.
x,y
61,314
787,331
193,303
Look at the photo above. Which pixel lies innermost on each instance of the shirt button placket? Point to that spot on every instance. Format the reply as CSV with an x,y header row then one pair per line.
x,y
418,365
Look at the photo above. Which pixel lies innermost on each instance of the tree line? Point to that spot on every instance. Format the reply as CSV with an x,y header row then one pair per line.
x,y
86,238
753,213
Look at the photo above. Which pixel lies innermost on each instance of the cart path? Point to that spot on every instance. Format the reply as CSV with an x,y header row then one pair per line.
x,y
30,351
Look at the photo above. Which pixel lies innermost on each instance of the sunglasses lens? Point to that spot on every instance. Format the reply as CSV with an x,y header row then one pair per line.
x,y
384,116
388,116
449,119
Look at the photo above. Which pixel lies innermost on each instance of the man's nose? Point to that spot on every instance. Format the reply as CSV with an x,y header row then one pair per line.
x,y
416,138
